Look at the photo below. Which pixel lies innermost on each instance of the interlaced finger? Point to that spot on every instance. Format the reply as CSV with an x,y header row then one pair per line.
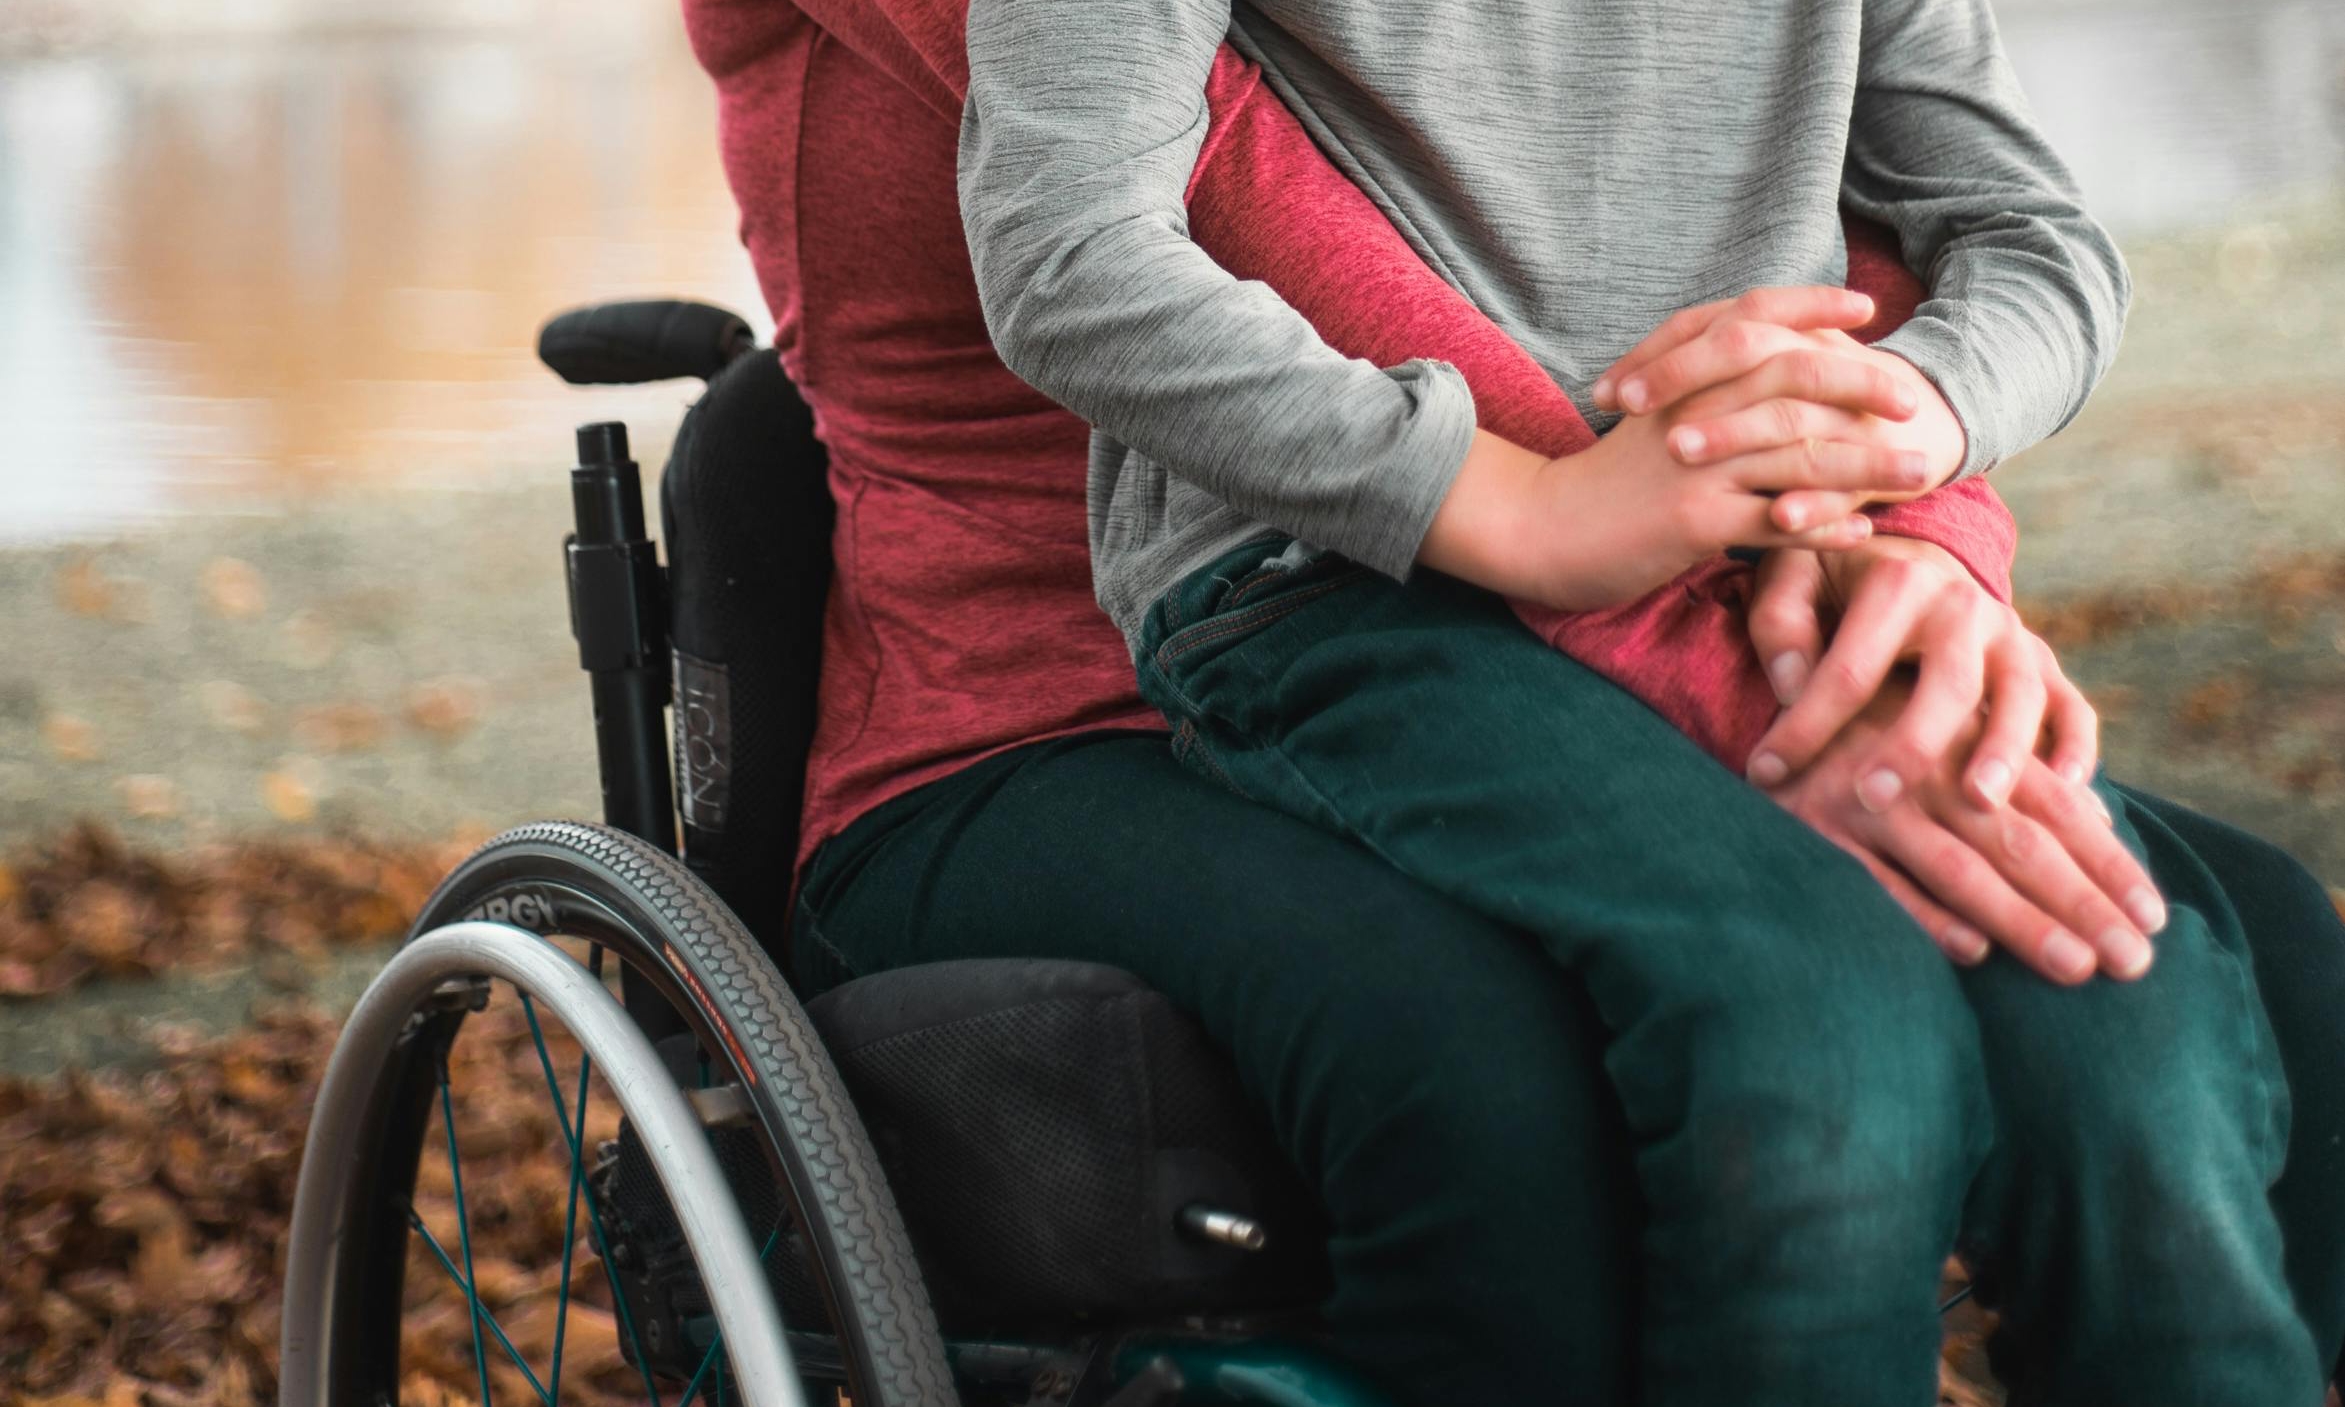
x,y
1848,466
1742,520
1787,619
1955,874
2016,699
1765,425
1802,369
1865,648
2075,725
1952,644
2041,865
2076,817
1799,307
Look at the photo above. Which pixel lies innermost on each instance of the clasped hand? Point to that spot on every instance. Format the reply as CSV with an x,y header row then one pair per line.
x,y
1934,737
1793,425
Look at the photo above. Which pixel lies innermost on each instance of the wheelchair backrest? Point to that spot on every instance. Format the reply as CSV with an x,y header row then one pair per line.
x,y
746,510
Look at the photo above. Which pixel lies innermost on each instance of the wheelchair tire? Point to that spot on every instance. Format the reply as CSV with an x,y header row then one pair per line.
x,y
668,929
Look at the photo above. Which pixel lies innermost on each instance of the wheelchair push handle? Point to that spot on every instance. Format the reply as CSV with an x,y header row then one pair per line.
x,y
619,616
623,344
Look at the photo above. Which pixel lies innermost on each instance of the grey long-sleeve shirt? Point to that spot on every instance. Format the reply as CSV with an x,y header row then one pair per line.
x,y
1579,169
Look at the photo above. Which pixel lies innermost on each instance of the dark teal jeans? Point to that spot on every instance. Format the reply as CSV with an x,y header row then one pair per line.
x,y
1817,1103
1427,1071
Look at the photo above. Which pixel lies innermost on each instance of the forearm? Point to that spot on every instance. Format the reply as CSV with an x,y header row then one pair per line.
x,y
2027,294
1968,519
1081,132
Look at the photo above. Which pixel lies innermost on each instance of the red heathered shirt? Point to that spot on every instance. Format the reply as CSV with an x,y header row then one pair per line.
x,y
961,620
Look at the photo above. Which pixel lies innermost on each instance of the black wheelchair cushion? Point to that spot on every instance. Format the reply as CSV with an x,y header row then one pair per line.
x,y
1044,1123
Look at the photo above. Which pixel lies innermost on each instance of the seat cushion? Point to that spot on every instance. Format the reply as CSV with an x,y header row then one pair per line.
x,y
1044,1123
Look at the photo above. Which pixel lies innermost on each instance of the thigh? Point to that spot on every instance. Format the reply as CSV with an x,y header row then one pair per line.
x,y
1430,1072
2296,942
2071,1066
1286,942
1793,1055
1427,723
2124,1221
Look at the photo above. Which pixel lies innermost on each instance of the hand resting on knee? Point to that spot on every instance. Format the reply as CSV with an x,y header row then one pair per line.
x,y
1881,745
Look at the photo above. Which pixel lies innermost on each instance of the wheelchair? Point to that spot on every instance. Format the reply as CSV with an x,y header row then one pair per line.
x,y
983,1182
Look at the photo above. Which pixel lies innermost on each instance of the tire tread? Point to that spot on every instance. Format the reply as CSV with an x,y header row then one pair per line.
x,y
844,1188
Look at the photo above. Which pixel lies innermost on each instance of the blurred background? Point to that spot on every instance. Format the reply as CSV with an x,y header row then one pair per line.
x,y
282,495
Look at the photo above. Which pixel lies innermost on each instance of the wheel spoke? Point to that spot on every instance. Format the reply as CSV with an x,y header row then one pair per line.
x,y
480,1358
716,1342
708,1360
415,1220
575,1139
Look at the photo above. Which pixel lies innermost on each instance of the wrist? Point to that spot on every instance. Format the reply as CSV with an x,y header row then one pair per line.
x,y
1938,429
1484,527
1845,570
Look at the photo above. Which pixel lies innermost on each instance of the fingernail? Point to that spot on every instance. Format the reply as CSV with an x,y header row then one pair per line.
x,y
1767,769
1795,516
1633,393
1970,946
2067,956
2073,771
1860,527
2127,952
2146,909
2101,806
1691,443
1788,672
1601,391
1880,790
1913,469
1905,398
1994,778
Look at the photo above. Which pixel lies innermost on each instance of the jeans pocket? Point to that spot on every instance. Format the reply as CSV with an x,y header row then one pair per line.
x,y
1236,596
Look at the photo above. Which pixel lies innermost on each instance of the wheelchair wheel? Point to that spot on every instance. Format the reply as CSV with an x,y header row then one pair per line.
x,y
516,912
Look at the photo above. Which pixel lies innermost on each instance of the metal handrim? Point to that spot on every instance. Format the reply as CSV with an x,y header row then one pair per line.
x,y
339,1143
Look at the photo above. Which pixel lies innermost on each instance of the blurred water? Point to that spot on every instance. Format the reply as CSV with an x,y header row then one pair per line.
x,y
2177,112
235,268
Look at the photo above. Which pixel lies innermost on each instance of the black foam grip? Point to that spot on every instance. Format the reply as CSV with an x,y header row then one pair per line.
x,y
611,344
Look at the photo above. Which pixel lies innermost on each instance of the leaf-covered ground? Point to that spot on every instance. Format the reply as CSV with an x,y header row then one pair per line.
x,y
143,1207
142,1226
143,1213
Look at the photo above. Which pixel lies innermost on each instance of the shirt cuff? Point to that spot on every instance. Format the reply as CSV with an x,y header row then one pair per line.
x,y
1398,504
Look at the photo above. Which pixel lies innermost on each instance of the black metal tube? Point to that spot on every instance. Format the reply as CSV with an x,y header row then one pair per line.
x,y
606,489
629,728
618,612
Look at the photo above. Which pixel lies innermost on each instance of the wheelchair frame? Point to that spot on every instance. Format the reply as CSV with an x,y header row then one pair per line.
x,y
619,616
618,613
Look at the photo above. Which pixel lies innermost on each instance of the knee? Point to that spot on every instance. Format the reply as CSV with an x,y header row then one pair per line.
x,y
2156,1072
1851,1109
